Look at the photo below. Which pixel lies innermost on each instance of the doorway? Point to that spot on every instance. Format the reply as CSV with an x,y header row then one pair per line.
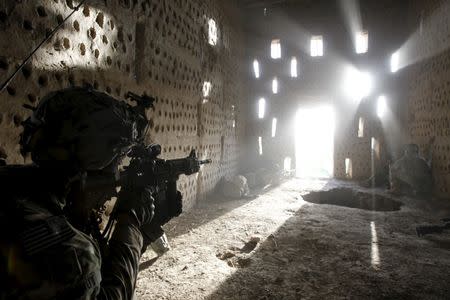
x,y
314,142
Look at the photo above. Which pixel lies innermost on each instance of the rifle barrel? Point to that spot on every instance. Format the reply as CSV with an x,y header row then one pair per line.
x,y
206,161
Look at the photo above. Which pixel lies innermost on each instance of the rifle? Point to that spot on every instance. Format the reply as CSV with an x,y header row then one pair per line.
x,y
158,175
429,229
91,186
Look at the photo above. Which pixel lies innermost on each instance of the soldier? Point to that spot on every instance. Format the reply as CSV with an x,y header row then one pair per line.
x,y
45,250
410,174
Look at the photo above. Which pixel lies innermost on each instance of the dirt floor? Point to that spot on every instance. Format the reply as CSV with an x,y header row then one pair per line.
x,y
278,246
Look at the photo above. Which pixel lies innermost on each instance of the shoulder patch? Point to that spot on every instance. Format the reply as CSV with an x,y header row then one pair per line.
x,y
48,233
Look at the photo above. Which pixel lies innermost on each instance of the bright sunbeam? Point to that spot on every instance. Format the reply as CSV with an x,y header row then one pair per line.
x,y
395,62
314,142
381,106
374,253
357,85
393,129
352,15
424,43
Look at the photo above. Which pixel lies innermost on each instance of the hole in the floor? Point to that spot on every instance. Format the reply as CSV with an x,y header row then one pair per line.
x,y
353,199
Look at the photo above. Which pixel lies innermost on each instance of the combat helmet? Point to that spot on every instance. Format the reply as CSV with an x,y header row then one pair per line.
x,y
82,128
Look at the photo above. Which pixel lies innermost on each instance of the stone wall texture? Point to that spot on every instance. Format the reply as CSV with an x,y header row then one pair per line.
x,y
427,68
157,47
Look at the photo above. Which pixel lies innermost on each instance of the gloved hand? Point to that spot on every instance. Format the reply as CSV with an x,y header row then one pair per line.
x,y
177,206
169,209
137,204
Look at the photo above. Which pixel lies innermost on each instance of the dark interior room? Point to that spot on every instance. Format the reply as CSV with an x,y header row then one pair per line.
x,y
211,149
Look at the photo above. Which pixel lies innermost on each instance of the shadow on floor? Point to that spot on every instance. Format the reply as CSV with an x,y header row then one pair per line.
x,y
319,254
213,207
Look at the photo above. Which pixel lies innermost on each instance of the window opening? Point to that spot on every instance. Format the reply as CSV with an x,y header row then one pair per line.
x,y
348,168
261,108
362,42
256,69
275,86
260,145
287,164
294,67
275,49
361,128
395,62
212,32
274,127
317,46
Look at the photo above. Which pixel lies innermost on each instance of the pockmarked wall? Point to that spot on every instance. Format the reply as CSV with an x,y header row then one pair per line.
x,y
425,59
167,49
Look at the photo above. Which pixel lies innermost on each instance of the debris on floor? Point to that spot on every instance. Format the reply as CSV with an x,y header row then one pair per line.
x,y
279,246
240,257
236,187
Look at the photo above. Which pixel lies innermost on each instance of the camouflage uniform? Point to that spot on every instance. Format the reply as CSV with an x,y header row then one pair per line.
x,y
42,254
44,257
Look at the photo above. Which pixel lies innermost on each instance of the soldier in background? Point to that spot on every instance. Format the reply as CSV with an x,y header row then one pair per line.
x,y
411,174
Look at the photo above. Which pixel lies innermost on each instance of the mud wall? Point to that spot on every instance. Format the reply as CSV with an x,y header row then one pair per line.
x,y
426,61
158,47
